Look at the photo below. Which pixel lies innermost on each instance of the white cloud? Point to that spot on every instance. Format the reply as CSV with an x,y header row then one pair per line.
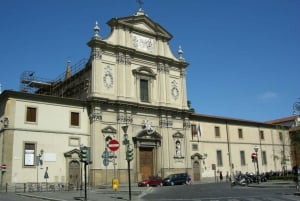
x,y
269,95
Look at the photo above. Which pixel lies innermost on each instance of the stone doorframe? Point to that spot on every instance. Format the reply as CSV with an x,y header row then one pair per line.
x,y
144,139
70,156
197,159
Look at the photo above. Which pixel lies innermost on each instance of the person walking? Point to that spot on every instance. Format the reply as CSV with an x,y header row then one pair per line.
x,y
221,176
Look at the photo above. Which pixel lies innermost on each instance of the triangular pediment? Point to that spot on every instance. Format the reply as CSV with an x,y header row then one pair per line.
x,y
141,24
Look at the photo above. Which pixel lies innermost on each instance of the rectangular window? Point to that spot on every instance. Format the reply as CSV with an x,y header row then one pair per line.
x,y
219,158
242,155
31,114
280,136
144,90
240,132
262,135
264,157
195,147
74,118
194,131
74,141
217,131
29,154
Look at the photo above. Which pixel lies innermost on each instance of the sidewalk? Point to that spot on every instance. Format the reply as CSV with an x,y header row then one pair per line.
x,y
105,193
276,184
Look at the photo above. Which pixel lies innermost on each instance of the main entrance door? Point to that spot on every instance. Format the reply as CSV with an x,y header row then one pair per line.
x,y
196,170
74,173
146,162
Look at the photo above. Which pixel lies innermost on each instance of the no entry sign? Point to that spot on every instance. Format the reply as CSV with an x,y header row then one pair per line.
x,y
3,167
113,145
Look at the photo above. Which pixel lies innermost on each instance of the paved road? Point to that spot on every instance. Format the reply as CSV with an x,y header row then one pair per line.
x,y
15,197
221,192
196,192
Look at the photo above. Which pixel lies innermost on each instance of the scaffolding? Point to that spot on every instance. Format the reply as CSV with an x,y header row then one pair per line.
x,y
31,83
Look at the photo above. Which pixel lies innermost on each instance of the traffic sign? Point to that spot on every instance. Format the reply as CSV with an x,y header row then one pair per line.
x,y
253,155
105,154
3,167
113,145
105,162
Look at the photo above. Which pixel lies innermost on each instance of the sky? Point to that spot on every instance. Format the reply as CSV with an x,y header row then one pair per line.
x,y
243,55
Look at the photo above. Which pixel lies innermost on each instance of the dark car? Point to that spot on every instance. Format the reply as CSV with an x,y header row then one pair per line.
x,y
151,181
175,179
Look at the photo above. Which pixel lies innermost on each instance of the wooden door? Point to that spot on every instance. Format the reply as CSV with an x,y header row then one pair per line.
x,y
146,162
74,173
196,170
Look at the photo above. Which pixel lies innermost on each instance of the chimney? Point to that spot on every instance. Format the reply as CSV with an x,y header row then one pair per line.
x,y
68,71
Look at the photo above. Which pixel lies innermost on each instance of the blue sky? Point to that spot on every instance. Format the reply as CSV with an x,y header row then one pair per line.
x,y
244,55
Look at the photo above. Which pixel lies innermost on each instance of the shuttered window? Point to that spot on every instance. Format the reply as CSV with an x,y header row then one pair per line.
x,y
74,119
31,114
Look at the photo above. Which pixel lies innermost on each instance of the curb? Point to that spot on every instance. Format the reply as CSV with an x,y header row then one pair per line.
x,y
271,186
40,197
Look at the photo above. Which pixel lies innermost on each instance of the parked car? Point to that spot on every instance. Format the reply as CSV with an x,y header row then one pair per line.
x,y
151,181
174,179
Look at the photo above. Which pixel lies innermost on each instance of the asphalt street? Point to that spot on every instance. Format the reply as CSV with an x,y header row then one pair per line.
x,y
267,191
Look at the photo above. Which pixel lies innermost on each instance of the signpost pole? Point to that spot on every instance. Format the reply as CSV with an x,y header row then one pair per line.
x,y
3,169
85,191
105,156
129,181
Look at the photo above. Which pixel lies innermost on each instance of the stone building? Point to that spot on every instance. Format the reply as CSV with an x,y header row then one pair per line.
x,y
133,79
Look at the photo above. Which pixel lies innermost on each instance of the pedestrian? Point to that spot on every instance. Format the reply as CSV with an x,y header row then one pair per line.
x,y
221,176
227,176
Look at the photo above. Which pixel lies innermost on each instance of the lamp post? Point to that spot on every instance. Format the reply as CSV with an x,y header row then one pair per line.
x,y
126,143
38,162
256,150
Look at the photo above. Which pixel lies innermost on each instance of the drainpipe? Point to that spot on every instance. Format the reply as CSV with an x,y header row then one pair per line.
x,y
229,151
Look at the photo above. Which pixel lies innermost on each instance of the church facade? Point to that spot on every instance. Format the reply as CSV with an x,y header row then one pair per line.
x,y
132,79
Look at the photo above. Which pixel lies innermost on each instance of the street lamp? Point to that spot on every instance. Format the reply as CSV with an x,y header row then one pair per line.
x,y
38,162
256,150
128,158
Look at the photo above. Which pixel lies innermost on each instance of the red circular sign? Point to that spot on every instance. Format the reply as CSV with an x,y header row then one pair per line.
x,y
253,155
113,145
3,167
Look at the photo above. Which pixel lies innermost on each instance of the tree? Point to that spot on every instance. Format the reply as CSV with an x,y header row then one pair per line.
x,y
295,146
